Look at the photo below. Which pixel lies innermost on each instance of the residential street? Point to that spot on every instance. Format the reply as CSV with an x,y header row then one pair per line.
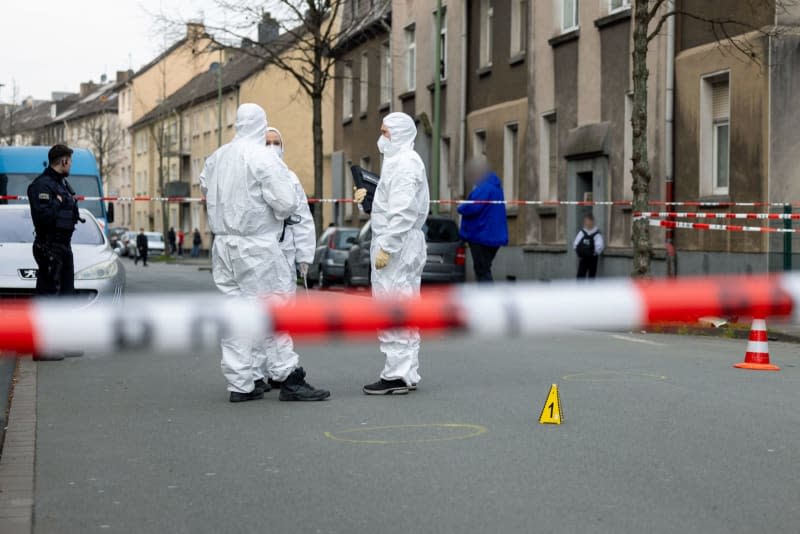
x,y
660,435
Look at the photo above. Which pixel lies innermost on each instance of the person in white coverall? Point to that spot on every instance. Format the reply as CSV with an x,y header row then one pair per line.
x,y
398,251
249,193
298,244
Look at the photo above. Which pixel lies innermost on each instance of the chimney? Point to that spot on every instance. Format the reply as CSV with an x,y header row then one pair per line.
x,y
268,29
195,30
87,87
123,76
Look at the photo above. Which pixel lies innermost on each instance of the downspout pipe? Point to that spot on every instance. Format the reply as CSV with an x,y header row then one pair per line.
x,y
669,128
462,112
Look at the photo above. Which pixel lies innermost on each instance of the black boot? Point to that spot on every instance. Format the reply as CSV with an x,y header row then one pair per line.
x,y
256,394
295,388
263,386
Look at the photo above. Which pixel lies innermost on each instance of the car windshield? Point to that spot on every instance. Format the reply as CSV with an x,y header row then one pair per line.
x,y
16,226
440,231
341,239
17,184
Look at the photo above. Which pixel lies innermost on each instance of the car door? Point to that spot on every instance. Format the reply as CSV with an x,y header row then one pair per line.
x,y
361,268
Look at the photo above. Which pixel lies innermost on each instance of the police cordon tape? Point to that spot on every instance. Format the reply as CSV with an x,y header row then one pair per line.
x,y
795,204
179,324
706,215
720,227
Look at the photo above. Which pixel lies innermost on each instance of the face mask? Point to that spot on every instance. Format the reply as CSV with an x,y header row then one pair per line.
x,y
383,144
277,149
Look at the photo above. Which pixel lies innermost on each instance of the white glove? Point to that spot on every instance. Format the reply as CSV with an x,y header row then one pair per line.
x,y
359,195
303,270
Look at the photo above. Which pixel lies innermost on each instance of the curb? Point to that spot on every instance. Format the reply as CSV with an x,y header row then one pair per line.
x,y
730,331
19,453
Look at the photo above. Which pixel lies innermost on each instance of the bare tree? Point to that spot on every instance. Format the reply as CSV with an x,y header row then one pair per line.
x,y
650,16
8,129
104,140
311,30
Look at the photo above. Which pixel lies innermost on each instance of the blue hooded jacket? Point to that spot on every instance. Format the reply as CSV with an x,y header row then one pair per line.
x,y
485,224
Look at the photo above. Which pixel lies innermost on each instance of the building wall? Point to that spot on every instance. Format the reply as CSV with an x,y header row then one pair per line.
x,y
749,138
421,13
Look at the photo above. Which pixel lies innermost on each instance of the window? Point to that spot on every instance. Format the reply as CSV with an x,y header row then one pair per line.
x,y
548,158
364,83
442,43
618,5
510,159
721,137
569,15
411,58
386,72
519,26
479,143
486,20
347,92
715,135
627,165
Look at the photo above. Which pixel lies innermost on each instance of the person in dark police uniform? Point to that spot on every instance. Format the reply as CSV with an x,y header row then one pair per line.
x,y
54,211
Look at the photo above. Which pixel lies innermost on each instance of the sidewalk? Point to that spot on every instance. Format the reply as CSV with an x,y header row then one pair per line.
x,y
778,331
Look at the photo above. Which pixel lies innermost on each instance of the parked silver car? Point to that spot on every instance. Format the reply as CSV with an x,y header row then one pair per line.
x,y
99,274
155,244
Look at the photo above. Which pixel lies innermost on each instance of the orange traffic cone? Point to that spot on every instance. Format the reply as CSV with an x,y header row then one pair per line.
x,y
757,356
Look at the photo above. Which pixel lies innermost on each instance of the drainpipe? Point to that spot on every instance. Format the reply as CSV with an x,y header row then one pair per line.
x,y
669,151
388,29
462,113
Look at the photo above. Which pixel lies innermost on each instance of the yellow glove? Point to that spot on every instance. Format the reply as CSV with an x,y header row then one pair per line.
x,y
382,259
359,195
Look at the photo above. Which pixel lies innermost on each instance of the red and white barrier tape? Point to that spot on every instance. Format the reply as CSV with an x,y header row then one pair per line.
x,y
705,215
550,203
182,324
721,227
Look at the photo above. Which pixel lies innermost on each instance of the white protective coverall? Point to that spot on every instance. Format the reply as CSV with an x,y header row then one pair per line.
x,y
298,246
248,193
399,210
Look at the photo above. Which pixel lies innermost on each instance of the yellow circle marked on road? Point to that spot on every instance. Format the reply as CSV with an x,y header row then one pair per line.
x,y
470,431
607,376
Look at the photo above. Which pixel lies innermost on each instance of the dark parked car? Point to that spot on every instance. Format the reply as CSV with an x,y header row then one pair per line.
x,y
446,254
331,254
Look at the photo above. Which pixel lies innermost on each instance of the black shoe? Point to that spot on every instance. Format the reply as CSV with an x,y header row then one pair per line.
x,y
48,357
387,387
295,388
256,394
263,386
274,384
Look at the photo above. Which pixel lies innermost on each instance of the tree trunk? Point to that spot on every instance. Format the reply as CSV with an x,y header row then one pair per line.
x,y
316,100
640,236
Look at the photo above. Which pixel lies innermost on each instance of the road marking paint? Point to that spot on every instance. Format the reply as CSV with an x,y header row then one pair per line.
x,y
637,340
474,430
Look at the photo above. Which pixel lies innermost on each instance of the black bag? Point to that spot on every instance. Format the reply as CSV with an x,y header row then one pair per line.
x,y
585,248
366,180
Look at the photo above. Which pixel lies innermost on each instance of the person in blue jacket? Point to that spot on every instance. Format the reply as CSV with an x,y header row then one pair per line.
x,y
483,226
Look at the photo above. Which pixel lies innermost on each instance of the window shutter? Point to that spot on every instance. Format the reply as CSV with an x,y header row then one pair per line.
x,y
720,96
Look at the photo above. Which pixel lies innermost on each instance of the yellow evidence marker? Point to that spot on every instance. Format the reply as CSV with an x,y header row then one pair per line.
x,y
551,411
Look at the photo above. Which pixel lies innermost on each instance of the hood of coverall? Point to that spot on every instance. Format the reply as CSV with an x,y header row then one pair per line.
x,y
251,123
280,136
403,132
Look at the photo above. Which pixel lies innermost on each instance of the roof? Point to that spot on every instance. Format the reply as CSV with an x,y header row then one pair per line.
x,y
102,100
365,27
204,87
32,118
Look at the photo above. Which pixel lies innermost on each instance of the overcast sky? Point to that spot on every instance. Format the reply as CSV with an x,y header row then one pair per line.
x,y
53,45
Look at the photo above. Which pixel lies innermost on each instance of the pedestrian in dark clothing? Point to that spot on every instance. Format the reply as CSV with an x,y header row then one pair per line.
x,y
171,239
54,211
197,240
483,226
181,237
588,245
141,245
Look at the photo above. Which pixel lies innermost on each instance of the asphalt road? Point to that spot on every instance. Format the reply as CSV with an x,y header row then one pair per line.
x,y
660,435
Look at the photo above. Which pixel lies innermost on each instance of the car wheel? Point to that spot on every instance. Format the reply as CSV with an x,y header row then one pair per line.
x,y
321,280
